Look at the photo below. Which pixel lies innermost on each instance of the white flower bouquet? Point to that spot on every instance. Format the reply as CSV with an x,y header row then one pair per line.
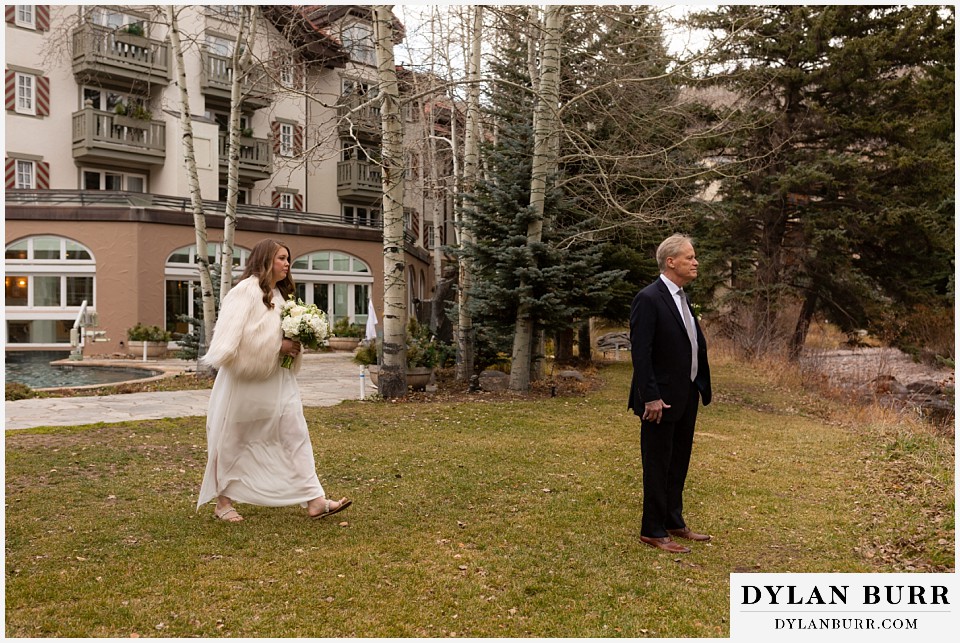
x,y
304,323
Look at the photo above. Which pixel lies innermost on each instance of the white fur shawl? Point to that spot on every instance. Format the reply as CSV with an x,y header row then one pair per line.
x,y
247,336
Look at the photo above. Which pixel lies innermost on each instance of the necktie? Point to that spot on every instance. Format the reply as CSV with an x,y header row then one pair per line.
x,y
691,331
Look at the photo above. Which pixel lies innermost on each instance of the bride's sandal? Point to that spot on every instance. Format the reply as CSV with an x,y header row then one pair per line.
x,y
341,505
227,514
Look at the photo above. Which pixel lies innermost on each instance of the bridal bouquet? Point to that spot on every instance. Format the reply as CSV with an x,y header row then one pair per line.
x,y
303,323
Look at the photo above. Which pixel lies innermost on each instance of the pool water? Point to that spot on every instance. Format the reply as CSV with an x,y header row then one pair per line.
x,y
33,369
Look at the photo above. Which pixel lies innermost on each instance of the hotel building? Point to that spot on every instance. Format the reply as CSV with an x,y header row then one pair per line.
x,y
97,199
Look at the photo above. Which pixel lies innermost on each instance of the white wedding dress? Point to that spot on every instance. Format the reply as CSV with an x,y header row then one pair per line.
x,y
259,450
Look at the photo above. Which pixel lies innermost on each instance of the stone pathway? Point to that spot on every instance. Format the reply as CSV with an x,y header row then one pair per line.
x,y
325,379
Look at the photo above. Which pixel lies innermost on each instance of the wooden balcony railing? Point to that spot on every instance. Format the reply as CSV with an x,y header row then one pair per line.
x,y
359,180
105,134
111,52
256,156
359,114
217,78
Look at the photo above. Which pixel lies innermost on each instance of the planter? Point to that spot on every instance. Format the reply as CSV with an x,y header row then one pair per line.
x,y
134,39
343,343
417,377
131,122
154,349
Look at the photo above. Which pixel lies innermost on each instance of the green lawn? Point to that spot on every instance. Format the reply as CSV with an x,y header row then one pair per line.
x,y
481,519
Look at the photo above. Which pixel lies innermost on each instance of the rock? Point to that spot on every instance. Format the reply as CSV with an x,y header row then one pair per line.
x,y
572,375
889,384
494,381
926,387
613,341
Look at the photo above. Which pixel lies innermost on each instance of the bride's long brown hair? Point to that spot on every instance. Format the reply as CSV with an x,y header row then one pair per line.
x,y
260,265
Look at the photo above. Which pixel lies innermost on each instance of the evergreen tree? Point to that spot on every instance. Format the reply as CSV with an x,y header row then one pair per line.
x,y
560,282
848,209
630,164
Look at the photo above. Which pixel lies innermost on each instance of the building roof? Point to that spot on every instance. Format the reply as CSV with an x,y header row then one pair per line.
x,y
313,40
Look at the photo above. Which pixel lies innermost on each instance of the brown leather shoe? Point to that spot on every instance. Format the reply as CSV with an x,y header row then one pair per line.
x,y
689,535
665,544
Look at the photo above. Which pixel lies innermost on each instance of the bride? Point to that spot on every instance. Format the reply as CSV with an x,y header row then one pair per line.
x,y
258,446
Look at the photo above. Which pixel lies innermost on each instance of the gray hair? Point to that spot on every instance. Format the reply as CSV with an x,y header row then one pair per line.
x,y
671,247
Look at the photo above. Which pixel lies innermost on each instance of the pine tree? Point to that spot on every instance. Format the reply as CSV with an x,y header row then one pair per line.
x,y
848,208
559,283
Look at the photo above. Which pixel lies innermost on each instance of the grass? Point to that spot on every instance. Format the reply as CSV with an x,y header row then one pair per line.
x,y
506,518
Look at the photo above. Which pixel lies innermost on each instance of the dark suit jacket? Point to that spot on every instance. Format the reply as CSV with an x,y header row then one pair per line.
x,y
661,353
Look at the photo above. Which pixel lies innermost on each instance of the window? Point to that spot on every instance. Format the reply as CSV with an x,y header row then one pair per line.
x,y
225,12
352,151
219,46
110,18
182,288
357,38
361,215
46,280
118,181
243,195
287,71
286,139
286,201
357,87
223,120
26,175
26,16
26,86
103,99
336,282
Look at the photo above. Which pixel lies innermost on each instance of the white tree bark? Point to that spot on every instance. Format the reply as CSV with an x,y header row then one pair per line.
x,y
544,165
392,381
471,155
241,61
196,199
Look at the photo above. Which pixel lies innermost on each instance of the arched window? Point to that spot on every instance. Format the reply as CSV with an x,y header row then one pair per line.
x,y
336,282
182,283
47,279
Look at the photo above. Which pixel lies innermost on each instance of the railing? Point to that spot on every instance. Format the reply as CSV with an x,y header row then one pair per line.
x,y
353,113
124,50
359,176
49,198
255,153
218,74
93,126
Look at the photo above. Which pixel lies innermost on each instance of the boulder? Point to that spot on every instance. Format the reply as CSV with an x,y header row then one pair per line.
x,y
889,384
926,387
613,341
494,381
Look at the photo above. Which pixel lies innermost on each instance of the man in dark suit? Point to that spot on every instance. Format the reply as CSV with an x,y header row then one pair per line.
x,y
670,377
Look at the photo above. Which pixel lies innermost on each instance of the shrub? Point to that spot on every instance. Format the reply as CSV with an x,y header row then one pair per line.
x,y
142,333
343,328
18,391
366,354
423,349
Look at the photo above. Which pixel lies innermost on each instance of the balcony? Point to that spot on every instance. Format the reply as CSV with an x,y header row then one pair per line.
x,y
105,137
256,158
216,79
359,181
356,121
112,57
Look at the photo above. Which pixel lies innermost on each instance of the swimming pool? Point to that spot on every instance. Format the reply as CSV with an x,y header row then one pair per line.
x,y
33,368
